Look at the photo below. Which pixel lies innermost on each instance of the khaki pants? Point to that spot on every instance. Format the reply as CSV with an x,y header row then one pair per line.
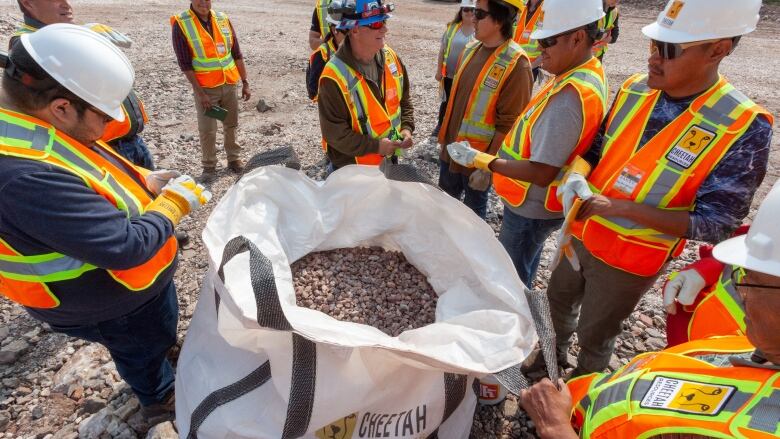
x,y
594,301
226,97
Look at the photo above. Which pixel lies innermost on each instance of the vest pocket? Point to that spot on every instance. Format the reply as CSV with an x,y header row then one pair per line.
x,y
624,252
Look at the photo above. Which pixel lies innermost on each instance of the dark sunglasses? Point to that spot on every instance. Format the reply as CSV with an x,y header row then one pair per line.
x,y
467,10
481,14
546,43
671,51
738,275
376,25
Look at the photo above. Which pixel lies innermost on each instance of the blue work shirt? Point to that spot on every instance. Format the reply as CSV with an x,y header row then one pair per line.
x,y
45,209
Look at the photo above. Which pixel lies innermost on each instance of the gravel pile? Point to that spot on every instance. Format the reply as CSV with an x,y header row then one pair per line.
x,y
370,286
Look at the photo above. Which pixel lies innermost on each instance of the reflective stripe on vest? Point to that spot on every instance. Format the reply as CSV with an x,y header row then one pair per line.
x,y
325,50
24,29
721,312
322,15
449,34
370,117
524,30
212,60
665,173
606,24
135,118
669,392
479,118
23,278
590,82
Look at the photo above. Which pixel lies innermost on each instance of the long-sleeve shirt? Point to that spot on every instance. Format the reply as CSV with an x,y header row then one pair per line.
x,y
45,209
724,199
335,117
182,48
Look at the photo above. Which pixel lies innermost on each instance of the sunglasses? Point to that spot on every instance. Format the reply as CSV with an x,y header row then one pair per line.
x,y
376,25
481,14
467,10
671,51
546,43
738,275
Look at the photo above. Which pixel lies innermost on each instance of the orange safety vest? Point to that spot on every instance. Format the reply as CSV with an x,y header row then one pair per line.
x,y
665,173
524,30
590,82
479,120
212,58
721,312
26,279
370,116
321,9
449,34
689,389
135,118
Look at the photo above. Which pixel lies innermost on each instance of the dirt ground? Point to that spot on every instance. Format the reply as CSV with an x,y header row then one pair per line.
x,y
273,37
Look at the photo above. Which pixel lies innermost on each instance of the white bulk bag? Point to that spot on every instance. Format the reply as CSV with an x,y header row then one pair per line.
x,y
255,365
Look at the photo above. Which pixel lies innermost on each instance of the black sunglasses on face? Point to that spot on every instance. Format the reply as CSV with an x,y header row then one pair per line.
x,y
467,10
481,14
546,43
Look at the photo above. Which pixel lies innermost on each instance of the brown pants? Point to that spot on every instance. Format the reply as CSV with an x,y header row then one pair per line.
x,y
226,97
594,301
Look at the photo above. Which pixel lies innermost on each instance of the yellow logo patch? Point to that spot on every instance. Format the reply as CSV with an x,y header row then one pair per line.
x,y
341,429
686,396
494,76
690,146
673,13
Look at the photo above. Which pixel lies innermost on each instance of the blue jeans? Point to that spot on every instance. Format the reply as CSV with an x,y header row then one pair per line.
x,y
135,150
523,238
457,185
138,342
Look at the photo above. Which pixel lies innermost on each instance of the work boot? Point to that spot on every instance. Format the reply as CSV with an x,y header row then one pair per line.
x,y
161,412
236,166
207,176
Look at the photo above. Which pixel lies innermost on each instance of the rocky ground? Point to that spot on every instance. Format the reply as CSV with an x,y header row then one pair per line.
x,y
55,387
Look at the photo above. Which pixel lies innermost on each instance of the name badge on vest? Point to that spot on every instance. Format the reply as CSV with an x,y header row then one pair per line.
x,y
393,69
494,77
628,180
683,396
690,146
221,48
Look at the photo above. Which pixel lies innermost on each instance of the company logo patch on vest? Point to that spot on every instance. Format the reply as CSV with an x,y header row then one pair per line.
x,y
494,76
691,145
684,396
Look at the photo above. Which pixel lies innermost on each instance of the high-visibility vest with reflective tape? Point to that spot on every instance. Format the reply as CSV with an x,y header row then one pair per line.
x,y
721,312
370,116
449,34
677,391
326,51
606,24
479,119
26,279
212,58
322,15
524,30
590,82
24,28
665,173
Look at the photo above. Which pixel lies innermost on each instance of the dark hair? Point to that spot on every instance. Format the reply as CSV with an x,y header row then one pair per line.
x,y
30,88
593,31
504,14
458,17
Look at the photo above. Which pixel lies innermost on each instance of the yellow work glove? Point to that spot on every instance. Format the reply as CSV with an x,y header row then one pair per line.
x,y
180,197
119,39
463,154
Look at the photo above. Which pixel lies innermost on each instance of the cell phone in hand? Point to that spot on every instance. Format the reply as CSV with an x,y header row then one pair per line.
x,y
216,112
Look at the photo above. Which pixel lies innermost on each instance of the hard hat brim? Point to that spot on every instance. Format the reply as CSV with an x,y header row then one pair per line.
x,y
734,251
538,34
655,31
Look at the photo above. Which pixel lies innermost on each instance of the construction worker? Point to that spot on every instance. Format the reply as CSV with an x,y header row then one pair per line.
x,y
123,136
459,32
86,237
709,303
716,387
365,110
492,86
557,126
320,29
323,53
680,156
528,19
210,57
610,29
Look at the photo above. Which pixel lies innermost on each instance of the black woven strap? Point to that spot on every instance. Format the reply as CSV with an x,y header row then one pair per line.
x,y
304,379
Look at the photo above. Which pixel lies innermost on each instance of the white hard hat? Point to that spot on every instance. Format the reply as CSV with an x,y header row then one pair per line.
x,y
85,63
468,3
686,21
559,16
759,250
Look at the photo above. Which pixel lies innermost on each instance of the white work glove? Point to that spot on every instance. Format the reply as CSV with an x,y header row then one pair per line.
x,y
156,180
684,287
479,180
574,186
463,154
117,38
186,189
